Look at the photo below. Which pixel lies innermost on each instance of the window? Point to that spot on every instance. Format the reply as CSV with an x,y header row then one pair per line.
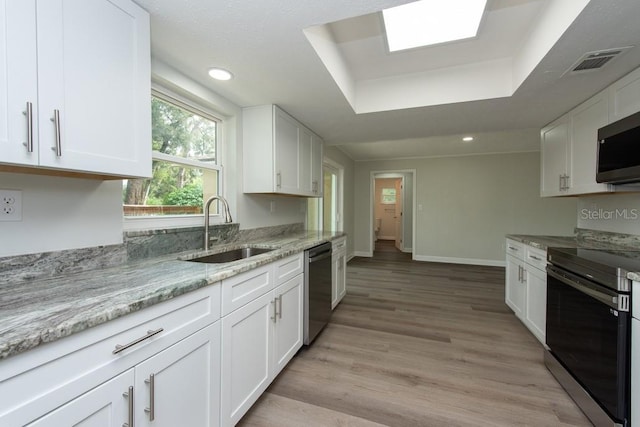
x,y
388,196
185,162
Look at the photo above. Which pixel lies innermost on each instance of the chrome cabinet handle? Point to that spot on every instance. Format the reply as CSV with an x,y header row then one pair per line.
x,y
151,410
275,310
279,179
280,306
29,113
519,273
535,257
56,121
150,333
566,182
513,248
129,396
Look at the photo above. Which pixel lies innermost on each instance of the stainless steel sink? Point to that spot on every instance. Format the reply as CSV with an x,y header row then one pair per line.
x,y
231,255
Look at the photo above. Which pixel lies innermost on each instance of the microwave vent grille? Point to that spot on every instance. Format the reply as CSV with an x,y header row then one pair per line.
x,y
592,61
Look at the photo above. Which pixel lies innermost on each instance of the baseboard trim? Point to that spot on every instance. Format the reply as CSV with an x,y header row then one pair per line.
x,y
387,238
363,254
451,260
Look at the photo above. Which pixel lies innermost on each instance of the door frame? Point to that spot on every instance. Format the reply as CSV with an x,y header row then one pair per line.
x,y
339,191
393,173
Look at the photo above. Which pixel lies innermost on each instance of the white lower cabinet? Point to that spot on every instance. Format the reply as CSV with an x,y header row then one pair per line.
x,y
536,302
288,325
106,406
514,290
635,371
526,286
246,343
338,271
259,339
85,379
180,385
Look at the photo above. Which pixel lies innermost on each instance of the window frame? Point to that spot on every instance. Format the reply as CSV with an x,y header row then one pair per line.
x,y
136,223
382,196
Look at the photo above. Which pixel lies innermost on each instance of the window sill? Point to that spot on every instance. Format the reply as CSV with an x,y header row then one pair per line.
x,y
168,221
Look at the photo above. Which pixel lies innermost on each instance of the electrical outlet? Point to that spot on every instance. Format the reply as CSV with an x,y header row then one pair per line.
x,y
10,205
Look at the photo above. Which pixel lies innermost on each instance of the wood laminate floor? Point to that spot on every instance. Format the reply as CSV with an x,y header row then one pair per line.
x,y
418,344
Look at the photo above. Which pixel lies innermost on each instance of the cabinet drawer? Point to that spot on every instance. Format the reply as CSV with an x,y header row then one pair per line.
x,y
245,287
35,382
515,249
536,257
288,268
339,244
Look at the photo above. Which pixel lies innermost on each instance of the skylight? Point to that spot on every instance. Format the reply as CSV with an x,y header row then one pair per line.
x,y
428,22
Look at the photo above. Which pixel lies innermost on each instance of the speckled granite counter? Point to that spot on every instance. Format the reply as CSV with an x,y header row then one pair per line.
x,y
545,242
42,311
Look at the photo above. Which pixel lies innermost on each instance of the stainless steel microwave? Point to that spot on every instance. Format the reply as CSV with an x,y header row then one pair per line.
x,y
619,151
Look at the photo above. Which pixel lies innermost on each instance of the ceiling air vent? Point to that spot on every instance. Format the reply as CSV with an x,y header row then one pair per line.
x,y
592,61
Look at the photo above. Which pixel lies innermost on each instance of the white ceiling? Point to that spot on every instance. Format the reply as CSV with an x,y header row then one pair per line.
x,y
263,43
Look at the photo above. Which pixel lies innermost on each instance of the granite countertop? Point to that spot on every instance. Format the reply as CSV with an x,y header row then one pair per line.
x,y
545,242
42,311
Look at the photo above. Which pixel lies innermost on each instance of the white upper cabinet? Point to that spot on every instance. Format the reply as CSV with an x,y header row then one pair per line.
x,y
569,150
569,145
280,155
624,96
555,146
91,112
586,119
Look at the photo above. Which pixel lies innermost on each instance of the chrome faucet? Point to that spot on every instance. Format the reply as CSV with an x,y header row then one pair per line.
x,y
226,213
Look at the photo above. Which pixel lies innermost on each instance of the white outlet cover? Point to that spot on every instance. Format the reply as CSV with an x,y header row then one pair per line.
x,y
10,205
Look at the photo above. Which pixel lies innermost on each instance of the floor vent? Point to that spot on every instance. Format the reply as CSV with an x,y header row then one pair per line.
x,y
592,61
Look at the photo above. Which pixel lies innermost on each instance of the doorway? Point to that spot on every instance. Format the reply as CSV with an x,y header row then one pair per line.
x,y
325,213
392,209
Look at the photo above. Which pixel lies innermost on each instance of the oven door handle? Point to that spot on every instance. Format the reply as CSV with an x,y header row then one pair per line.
x,y
610,300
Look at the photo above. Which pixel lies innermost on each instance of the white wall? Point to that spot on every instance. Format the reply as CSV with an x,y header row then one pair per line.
x,y
618,213
468,205
61,213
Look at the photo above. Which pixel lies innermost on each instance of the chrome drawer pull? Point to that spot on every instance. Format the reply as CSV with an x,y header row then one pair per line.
x,y
535,257
150,333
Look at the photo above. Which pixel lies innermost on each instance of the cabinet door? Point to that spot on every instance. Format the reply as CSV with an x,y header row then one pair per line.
x,y
287,153
585,122
305,160
288,327
635,370
555,141
181,383
624,96
104,406
93,68
247,336
338,282
536,301
317,150
18,78
514,286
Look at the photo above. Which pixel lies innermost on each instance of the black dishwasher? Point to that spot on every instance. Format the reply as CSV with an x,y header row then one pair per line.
x,y
317,290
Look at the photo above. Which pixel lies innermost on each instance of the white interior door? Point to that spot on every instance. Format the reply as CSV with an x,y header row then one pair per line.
x,y
398,215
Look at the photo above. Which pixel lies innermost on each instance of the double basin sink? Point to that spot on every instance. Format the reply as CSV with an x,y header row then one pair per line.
x,y
230,255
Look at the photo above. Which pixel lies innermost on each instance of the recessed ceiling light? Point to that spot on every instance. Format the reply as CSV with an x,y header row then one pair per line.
x,y
467,139
220,74
427,22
